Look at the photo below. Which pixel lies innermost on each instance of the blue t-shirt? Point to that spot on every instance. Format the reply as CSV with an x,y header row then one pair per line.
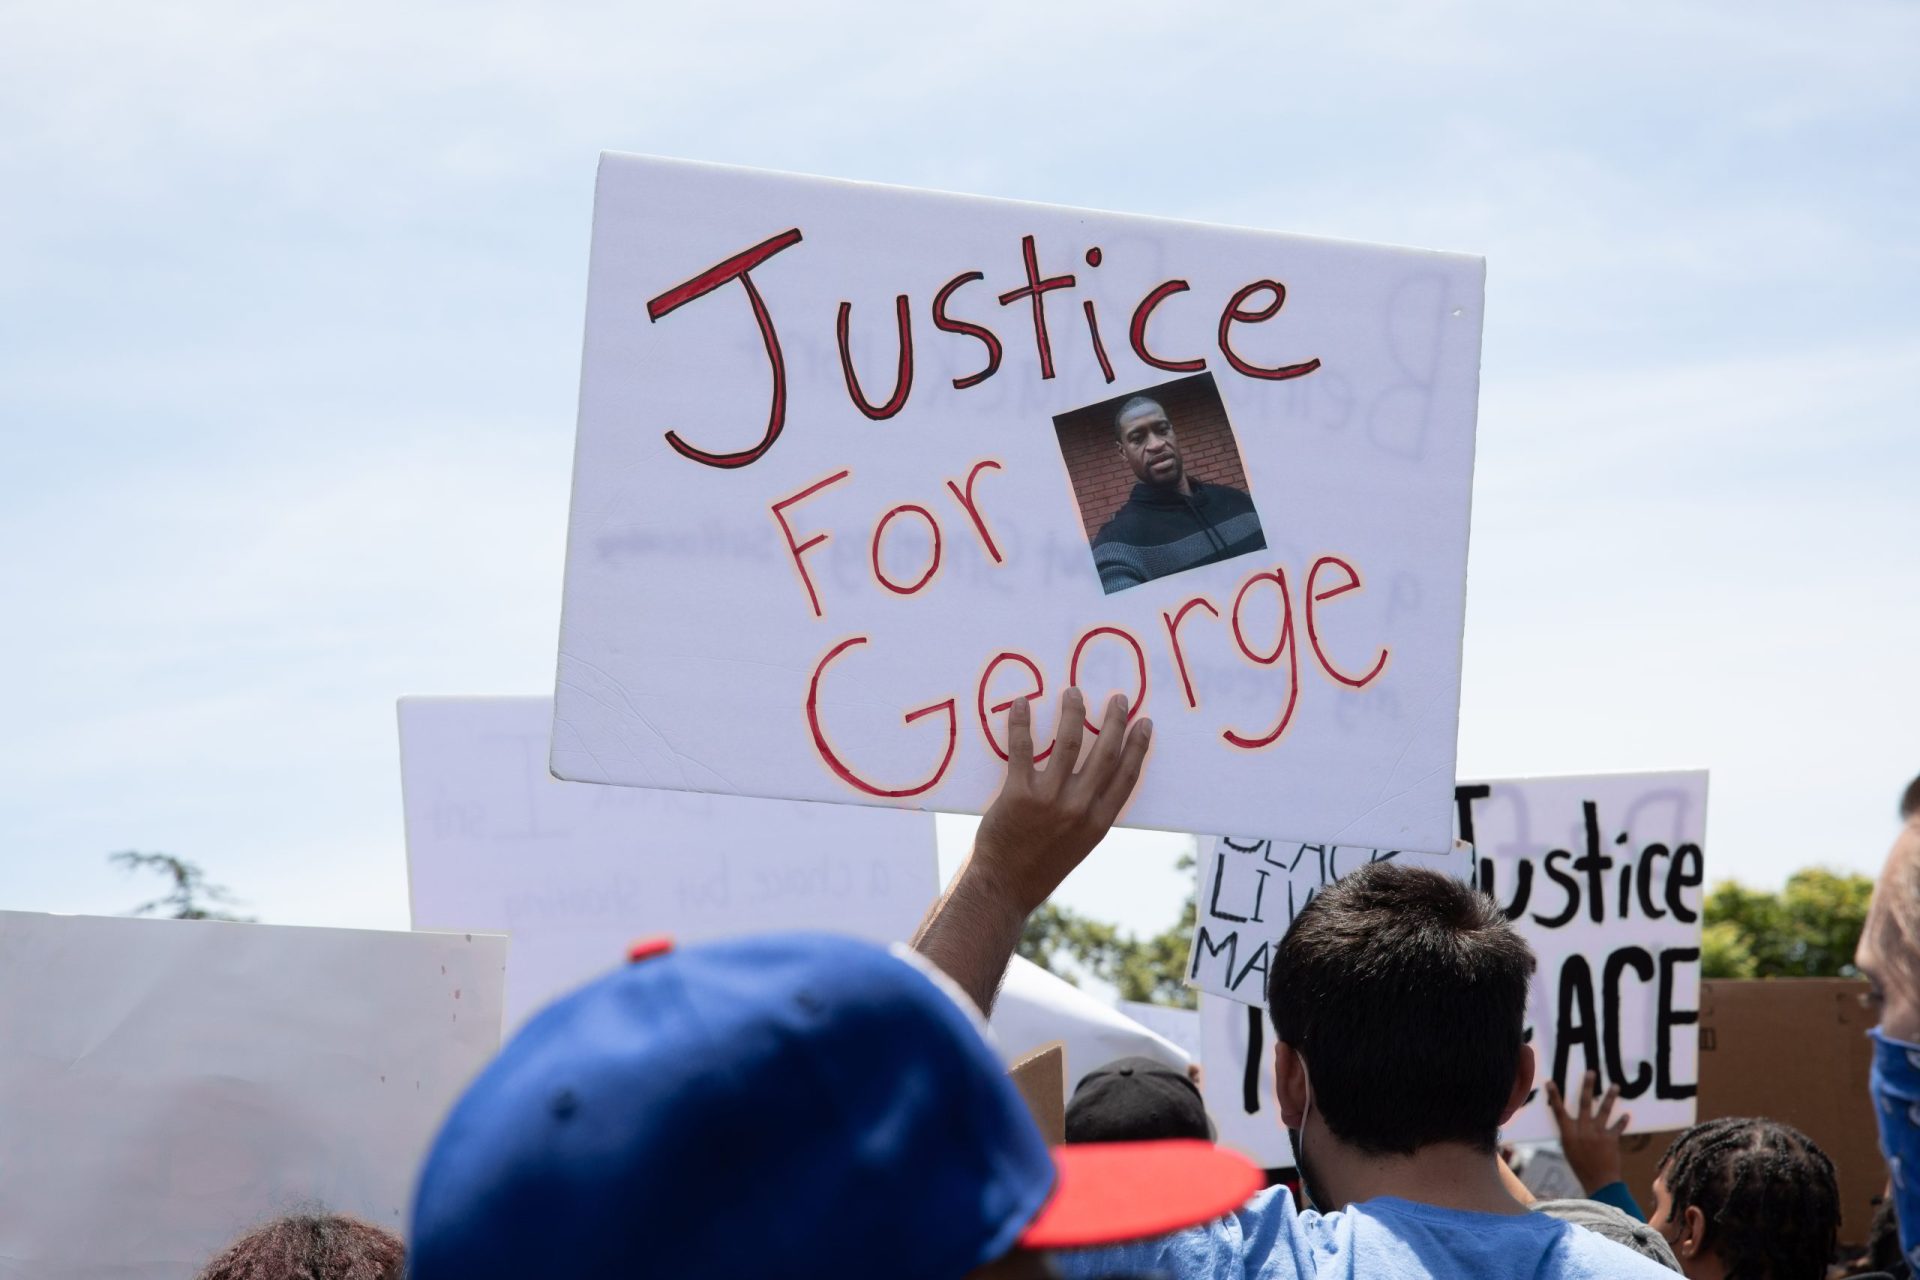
x,y
1381,1239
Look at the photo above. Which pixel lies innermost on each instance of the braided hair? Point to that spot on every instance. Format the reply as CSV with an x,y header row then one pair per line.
x,y
1768,1194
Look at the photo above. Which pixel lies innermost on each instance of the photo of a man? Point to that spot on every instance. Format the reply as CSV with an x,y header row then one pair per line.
x,y
1171,521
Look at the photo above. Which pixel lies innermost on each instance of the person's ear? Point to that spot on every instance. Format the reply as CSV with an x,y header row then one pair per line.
x,y
1290,1084
1522,1082
1693,1233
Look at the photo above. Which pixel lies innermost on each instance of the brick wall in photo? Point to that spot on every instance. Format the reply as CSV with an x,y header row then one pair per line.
x,y
1101,478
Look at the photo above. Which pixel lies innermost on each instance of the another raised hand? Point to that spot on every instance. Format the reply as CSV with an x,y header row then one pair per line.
x,y
1590,1137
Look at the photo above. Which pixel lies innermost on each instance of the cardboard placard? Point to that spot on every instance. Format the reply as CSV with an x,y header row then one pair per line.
x,y
172,1084
1250,891
821,422
1602,875
576,873
1236,1059
1041,1078
1793,1050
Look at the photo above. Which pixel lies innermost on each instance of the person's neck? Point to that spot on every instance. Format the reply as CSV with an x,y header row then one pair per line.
x,y
1449,1175
1702,1265
1182,487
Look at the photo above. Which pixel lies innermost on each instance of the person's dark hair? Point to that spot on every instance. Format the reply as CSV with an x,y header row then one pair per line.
x,y
1883,1241
311,1246
1768,1194
1405,992
1132,403
1910,800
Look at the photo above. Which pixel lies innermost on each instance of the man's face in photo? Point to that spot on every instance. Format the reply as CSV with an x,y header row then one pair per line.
x,y
1146,438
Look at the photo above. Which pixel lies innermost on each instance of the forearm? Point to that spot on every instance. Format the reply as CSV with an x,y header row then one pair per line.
x,y
971,933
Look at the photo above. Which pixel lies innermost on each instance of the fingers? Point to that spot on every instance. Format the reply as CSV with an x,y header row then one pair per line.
x,y
1067,736
1587,1083
1113,796
1619,1127
1113,763
1557,1105
1020,736
1092,778
1605,1117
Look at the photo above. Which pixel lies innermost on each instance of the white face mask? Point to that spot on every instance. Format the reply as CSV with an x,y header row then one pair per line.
x,y
1310,1183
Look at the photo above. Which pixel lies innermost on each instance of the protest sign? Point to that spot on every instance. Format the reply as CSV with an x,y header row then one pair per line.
x,y
171,1084
1236,1060
1250,891
1180,1027
1601,874
1036,1007
575,873
858,467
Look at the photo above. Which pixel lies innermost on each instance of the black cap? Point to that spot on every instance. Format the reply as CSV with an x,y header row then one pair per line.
x,y
1136,1100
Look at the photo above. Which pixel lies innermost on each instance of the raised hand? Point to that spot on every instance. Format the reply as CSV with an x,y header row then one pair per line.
x,y
1044,821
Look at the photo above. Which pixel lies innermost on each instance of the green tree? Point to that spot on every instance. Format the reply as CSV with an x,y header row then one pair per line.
x,y
190,895
1724,952
1807,930
1149,969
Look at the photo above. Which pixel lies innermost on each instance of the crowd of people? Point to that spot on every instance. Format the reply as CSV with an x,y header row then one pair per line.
x,y
807,1105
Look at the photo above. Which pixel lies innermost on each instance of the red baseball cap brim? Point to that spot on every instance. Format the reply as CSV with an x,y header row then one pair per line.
x,y
1113,1192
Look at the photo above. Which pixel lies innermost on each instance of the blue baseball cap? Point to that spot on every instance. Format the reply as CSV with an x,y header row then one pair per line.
x,y
794,1105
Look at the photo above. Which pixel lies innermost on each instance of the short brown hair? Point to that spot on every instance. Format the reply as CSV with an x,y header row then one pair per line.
x,y
311,1246
1405,992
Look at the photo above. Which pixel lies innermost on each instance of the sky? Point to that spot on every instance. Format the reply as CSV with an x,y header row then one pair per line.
x,y
290,317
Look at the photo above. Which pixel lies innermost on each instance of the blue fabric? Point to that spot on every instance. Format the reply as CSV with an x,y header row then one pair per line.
x,y
1382,1239
1616,1194
824,1082
1895,1085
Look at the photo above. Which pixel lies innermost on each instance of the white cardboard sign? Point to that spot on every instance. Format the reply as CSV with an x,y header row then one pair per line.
x,y
1236,1059
1179,1027
850,479
1603,876
1250,891
576,873
171,1084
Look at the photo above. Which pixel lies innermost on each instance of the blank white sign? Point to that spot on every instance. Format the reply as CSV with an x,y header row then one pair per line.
x,y
575,873
167,1085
